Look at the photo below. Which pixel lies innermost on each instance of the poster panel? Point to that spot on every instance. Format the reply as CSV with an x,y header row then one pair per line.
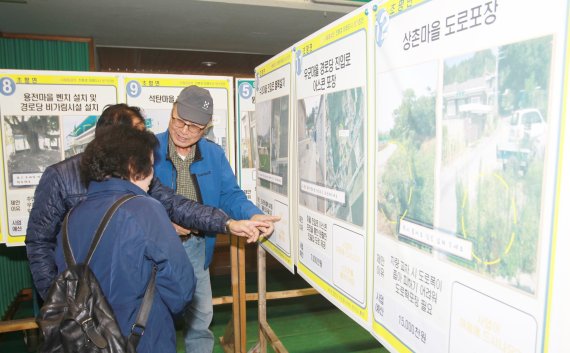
x,y
245,110
46,116
558,311
271,129
468,114
156,94
332,112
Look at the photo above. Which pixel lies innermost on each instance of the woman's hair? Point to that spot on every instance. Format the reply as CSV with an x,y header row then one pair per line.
x,y
118,151
119,114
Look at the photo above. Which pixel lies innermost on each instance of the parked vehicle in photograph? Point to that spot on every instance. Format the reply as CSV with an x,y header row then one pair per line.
x,y
525,140
526,124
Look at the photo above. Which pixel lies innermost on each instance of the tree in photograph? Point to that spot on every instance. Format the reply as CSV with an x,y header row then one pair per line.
x,y
524,73
479,65
33,128
414,119
408,182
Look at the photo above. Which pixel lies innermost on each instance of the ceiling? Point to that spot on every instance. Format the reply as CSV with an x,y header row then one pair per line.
x,y
236,26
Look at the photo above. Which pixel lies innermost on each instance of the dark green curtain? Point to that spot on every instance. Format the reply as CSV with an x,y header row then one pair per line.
x,y
14,275
32,54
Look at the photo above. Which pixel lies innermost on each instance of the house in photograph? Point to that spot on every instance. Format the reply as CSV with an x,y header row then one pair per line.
x,y
467,109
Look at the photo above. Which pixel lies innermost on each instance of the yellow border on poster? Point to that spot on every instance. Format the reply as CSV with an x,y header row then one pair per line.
x,y
276,251
394,7
558,197
179,82
275,64
342,299
358,22
390,338
343,29
32,79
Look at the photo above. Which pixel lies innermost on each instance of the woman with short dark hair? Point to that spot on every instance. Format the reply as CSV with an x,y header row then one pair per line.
x,y
139,236
120,152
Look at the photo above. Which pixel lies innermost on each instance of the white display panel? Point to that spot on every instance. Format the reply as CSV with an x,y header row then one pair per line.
x,y
468,115
557,313
245,110
273,137
332,113
47,116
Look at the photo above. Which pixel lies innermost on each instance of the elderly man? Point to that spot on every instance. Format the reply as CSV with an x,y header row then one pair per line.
x,y
197,168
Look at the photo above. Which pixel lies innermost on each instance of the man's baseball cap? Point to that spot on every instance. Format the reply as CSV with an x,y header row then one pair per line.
x,y
195,104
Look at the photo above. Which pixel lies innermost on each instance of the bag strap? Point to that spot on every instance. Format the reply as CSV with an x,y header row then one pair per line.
x,y
68,253
137,330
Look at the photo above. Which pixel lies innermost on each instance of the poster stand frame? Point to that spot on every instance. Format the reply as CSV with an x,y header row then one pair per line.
x,y
266,333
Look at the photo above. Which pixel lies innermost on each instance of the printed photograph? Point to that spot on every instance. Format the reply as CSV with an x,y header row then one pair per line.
x,y
332,152
246,139
272,126
495,123
405,159
78,131
31,143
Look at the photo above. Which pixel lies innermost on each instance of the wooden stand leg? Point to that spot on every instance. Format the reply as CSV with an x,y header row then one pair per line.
x,y
266,334
262,301
234,339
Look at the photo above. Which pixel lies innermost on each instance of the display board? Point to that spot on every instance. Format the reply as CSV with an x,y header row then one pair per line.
x,y
557,314
468,117
332,109
155,94
245,154
430,173
46,116
273,130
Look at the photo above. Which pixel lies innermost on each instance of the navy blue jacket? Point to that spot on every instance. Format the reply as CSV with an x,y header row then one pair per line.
x,y
60,188
137,237
217,184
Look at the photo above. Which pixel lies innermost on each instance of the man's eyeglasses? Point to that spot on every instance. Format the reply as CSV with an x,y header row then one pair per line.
x,y
193,128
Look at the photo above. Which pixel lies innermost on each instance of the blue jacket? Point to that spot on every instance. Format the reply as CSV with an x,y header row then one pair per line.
x,y
60,188
138,237
217,185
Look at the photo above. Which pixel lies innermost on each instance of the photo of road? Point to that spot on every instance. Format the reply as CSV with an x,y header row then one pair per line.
x,y
272,127
405,160
495,126
332,153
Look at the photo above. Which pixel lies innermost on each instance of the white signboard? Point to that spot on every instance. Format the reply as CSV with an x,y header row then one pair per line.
x,y
245,120
331,111
271,128
46,116
468,119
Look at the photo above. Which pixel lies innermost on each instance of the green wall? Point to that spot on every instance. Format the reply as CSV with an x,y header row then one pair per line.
x,y
32,54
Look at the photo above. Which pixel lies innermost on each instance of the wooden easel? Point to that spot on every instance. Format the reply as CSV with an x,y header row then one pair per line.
x,y
236,343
